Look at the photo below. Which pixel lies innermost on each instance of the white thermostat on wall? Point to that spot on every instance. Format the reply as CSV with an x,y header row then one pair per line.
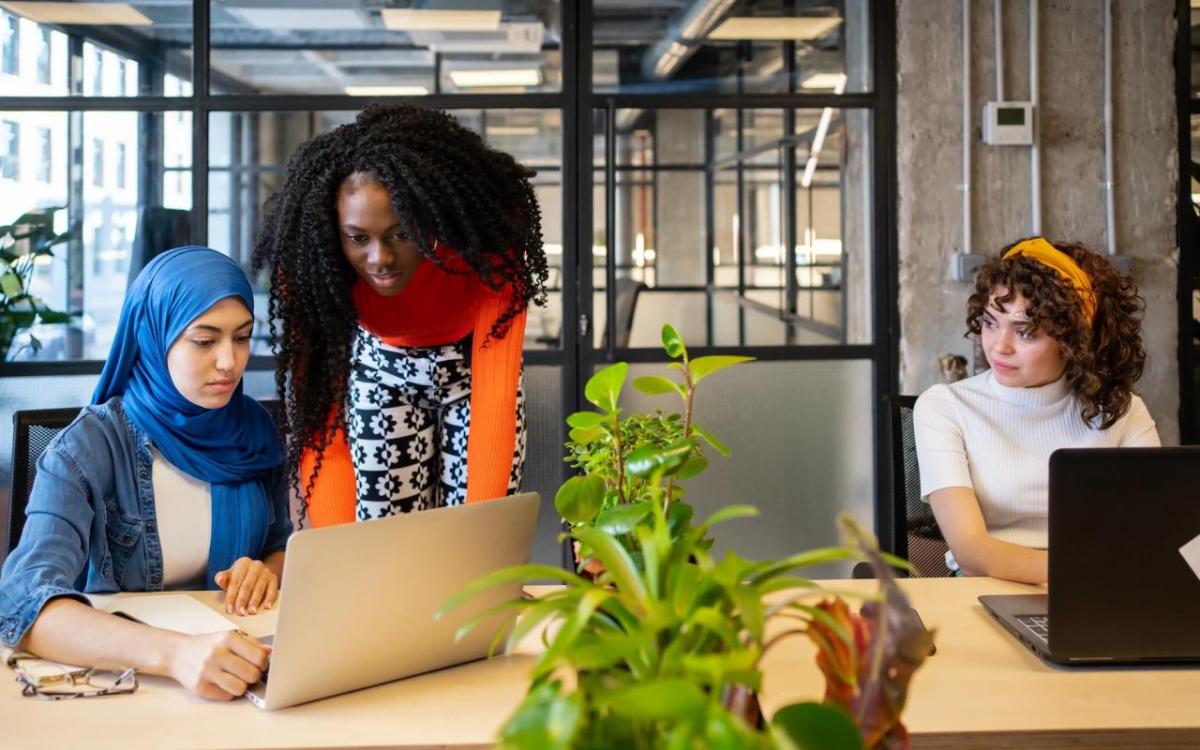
x,y
1008,123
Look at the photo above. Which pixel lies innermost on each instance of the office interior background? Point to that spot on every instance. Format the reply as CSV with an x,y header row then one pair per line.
x,y
779,178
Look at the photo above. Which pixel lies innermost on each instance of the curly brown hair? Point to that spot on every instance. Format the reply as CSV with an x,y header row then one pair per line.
x,y
1103,359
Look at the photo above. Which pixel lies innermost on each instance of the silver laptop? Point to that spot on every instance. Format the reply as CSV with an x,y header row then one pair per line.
x,y
359,600
1124,561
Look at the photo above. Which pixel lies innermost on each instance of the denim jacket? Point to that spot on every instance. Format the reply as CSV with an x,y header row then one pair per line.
x,y
90,521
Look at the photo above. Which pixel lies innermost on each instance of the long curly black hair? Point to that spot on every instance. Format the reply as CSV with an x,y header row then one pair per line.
x,y
446,186
1105,359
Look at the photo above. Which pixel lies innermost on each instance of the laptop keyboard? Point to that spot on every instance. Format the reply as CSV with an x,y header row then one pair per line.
x,y
1039,624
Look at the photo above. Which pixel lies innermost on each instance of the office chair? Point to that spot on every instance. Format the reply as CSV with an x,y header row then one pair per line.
x,y
32,431
915,533
917,536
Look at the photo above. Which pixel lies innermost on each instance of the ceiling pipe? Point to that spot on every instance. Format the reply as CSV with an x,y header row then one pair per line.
x,y
683,36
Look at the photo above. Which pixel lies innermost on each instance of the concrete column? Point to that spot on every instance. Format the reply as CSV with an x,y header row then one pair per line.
x,y
680,209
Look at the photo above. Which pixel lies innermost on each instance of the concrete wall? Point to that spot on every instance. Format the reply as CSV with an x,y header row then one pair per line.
x,y
929,147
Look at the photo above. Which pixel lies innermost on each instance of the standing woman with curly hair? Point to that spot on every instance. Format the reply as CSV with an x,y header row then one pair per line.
x,y
403,253
1061,330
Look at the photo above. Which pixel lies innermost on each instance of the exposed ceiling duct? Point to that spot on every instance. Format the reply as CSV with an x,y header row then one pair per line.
x,y
683,35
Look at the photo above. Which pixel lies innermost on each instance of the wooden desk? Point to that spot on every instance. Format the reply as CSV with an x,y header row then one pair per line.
x,y
462,707
984,689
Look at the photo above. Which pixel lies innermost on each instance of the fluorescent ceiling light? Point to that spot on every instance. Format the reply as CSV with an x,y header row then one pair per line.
x,y
775,28
80,14
468,79
386,90
512,130
397,19
824,81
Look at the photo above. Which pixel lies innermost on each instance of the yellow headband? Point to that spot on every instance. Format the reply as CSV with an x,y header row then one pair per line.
x,y
1048,255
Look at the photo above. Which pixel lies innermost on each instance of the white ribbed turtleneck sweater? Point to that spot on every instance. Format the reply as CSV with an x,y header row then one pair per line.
x,y
997,441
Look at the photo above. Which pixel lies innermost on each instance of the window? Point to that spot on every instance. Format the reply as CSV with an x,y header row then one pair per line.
x,y
43,56
11,168
97,162
121,165
10,43
96,80
46,155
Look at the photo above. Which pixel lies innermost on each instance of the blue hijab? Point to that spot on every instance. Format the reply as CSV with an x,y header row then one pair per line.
x,y
235,448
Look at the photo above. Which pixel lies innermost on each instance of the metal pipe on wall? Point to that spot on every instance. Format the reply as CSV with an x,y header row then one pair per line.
x,y
998,20
1035,155
1110,214
966,127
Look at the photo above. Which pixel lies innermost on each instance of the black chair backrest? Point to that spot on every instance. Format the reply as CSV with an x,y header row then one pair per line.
x,y
627,291
917,536
32,432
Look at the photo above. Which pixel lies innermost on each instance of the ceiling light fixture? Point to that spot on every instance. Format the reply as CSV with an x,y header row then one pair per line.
x,y
79,14
386,90
805,27
470,79
398,19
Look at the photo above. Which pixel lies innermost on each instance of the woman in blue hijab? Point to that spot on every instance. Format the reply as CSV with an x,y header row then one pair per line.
x,y
170,479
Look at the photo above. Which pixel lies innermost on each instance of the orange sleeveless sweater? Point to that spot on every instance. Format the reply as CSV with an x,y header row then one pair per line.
x,y
434,309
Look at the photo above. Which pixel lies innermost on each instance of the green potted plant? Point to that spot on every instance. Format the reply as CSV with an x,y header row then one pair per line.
x,y
661,647
22,246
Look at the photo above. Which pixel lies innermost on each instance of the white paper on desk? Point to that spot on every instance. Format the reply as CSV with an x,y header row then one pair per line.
x,y
172,612
1191,553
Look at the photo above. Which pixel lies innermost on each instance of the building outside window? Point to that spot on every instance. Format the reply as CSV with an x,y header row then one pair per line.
x,y
10,45
11,150
46,155
43,56
97,162
96,79
121,165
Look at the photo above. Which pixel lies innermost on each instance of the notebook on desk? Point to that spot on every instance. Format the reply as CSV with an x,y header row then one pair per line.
x,y
1124,560
359,600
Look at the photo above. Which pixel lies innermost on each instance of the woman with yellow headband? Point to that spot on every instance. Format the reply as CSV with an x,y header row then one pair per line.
x,y
1061,330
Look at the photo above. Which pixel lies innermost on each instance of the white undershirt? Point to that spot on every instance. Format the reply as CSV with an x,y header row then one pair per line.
x,y
997,441
183,505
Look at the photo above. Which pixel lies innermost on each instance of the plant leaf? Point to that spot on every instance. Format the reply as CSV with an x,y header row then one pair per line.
x,y
692,467
728,513
702,367
580,498
52,316
622,518
616,561
812,726
653,385
10,284
508,575
604,388
672,342
665,699
585,420
711,439
650,458
545,719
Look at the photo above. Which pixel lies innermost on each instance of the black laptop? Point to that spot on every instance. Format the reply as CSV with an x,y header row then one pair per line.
x,y
1124,560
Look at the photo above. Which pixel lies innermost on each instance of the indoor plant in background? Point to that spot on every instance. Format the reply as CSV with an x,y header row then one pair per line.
x,y
22,245
662,647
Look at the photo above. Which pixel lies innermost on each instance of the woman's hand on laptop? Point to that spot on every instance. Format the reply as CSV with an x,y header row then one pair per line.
x,y
218,666
249,585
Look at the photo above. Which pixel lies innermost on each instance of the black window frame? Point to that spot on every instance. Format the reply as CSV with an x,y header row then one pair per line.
x,y
576,101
